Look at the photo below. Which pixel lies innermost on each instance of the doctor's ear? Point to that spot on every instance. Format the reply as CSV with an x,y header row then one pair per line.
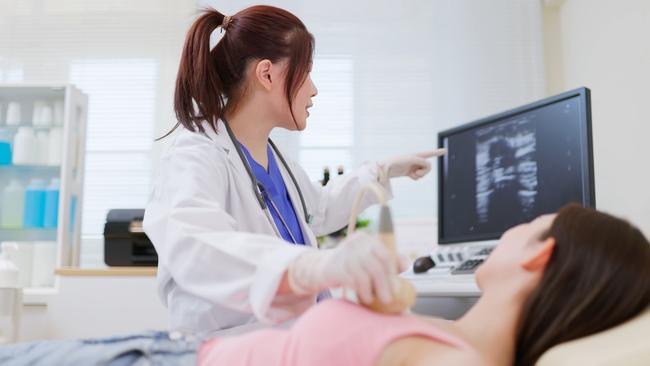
x,y
263,71
540,257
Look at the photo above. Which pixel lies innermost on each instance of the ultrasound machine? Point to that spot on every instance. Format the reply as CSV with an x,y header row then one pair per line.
x,y
507,169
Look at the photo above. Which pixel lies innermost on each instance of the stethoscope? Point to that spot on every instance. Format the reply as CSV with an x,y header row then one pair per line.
x,y
259,190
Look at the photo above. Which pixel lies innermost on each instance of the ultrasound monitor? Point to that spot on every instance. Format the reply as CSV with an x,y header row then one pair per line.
x,y
511,167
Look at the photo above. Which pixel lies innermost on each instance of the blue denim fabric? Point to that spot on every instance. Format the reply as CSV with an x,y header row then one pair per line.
x,y
151,348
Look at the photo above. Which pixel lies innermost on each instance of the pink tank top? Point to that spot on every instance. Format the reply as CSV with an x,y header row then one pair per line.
x,y
334,332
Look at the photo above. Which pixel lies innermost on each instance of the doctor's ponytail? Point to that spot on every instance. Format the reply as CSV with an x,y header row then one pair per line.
x,y
211,81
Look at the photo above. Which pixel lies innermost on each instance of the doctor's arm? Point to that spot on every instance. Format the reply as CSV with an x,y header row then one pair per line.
x,y
330,206
199,246
333,203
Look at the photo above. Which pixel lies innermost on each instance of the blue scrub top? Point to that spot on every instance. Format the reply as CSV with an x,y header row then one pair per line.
x,y
275,187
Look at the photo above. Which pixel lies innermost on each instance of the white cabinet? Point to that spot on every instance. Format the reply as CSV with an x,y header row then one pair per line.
x,y
42,145
91,303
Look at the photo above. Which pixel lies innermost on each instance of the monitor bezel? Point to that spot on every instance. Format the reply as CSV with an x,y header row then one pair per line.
x,y
589,196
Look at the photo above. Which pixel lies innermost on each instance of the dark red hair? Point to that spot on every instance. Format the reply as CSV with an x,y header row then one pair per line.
x,y
211,81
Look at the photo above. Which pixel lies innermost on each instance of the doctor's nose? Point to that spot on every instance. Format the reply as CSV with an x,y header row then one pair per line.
x,y
314,90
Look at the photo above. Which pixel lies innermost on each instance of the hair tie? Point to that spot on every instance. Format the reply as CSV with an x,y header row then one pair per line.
x,y
226,22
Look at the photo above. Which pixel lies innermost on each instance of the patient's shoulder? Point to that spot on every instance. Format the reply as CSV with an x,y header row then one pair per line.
x,y
452,357
420,351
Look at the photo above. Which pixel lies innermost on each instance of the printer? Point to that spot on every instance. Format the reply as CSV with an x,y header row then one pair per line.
x,y
125,243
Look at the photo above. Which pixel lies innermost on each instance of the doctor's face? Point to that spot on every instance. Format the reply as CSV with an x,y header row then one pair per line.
x,y
301,102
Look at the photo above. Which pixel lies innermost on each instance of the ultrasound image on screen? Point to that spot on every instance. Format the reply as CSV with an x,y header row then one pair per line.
x,y
508,171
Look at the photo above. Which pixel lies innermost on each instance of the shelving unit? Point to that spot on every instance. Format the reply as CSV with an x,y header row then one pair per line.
x,y
28,234
71,121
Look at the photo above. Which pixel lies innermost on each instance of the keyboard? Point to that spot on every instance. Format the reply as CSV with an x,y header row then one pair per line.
x,y
470,265
485,251
467,267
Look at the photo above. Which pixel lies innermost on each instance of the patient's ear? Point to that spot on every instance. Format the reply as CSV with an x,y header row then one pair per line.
x,y
538,261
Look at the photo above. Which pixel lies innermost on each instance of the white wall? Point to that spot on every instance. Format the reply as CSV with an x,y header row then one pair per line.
x,y
604,45
413,69
418,67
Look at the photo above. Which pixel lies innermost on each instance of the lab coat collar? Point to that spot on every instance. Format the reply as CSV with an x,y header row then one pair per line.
x,y
222,139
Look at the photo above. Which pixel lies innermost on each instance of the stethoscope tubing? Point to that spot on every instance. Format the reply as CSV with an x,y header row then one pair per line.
x,y
258,187
284,223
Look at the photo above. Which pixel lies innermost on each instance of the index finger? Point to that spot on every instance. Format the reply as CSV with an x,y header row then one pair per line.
x,y
431,153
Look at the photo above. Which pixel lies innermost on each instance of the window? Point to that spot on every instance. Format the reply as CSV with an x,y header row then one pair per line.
x,y
10,72
330,136
121,110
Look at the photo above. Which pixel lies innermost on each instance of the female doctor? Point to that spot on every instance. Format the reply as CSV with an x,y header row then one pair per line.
x,y
233,221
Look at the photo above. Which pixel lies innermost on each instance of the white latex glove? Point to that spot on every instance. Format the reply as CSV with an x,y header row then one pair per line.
x,y
415,166
360,262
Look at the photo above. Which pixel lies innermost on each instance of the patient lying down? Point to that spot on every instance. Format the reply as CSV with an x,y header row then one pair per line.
x,y
558,278
555,279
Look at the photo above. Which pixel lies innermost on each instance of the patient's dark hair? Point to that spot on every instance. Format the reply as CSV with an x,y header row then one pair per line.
x,y
598,276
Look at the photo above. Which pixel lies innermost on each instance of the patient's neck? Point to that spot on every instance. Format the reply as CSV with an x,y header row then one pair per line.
x,y
491,325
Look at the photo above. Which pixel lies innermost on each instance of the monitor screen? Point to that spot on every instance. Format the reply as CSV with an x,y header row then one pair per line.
x,y
509,168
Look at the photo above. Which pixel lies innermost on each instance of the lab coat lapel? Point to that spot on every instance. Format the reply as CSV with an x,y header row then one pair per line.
x,y
236,164
307,233
223,140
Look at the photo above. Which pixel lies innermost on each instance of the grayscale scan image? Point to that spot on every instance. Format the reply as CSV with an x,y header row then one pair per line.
x,y
506,170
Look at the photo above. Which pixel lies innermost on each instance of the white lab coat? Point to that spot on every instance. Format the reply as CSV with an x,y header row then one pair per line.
x,y
219,260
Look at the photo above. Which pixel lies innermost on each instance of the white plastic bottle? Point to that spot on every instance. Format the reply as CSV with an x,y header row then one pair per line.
x,y
8,272
13,205
41,114
21,253
55,146
13,114
25,152
46,115
36,112
43,144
